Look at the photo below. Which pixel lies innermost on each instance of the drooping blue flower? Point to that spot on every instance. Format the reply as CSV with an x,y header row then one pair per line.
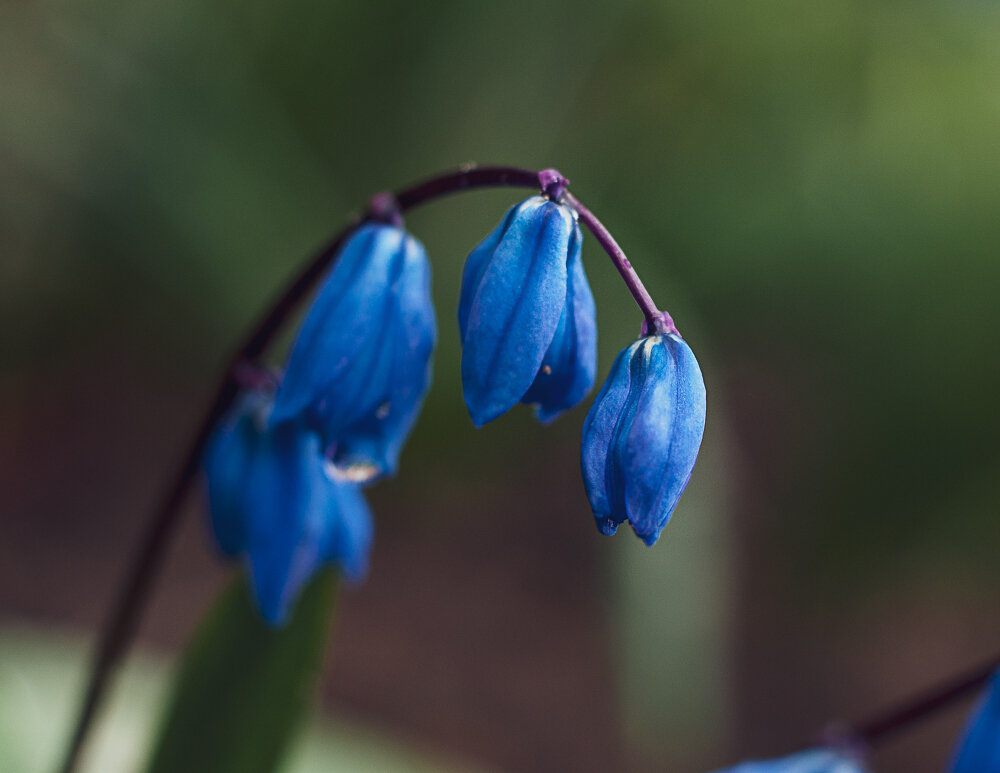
x,y
642,435
361,364
526,315
273,502
812,761
979,750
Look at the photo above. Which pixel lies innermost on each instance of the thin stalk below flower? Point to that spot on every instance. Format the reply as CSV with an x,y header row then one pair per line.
x,y
656,320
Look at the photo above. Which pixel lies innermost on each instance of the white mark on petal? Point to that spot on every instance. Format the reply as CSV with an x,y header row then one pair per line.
x,y
357,472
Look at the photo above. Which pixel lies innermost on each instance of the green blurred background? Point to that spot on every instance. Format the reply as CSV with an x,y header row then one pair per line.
x,y
812,189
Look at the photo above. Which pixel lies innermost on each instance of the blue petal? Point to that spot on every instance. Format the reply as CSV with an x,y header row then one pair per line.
x,y
370,448
516,309
361,364
290,508
273,501
642,435
658,451
348,313
359,389
979,751
349,543
570,364
226,461
401,378
478,260
813,761
599,428
358,369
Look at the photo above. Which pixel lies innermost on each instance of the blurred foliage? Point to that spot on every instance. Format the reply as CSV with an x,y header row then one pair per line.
x,y
36,668
242,687
673,627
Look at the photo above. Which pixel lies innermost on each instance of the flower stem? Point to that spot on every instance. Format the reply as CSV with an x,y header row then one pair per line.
x,y
879,727
554,185
655,319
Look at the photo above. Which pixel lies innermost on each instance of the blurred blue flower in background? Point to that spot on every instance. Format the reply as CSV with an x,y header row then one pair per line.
x,y
526,315
227,461
361,364
272,500
642,435
812,761
979,751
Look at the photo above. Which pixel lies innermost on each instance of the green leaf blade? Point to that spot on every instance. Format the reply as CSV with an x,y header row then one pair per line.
x,y
242,687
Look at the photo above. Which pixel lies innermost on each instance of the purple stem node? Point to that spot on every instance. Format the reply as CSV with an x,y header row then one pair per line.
x,y
553,184
663,324
384,208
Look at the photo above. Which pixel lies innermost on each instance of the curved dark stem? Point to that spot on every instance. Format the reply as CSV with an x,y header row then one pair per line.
x,y
655,319
465,178
880,727
119,628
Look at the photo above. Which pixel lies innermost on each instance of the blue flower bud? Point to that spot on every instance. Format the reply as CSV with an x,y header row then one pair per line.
x,y
642,434
273,501
361,364
812,761
526,315
979,751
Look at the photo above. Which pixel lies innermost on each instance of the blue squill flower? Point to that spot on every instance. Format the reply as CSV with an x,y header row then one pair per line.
x,y
979,751
642,434
812,761
273,502
361,364
526,315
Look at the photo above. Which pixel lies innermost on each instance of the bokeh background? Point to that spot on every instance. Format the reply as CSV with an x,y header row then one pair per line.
x,y
812,189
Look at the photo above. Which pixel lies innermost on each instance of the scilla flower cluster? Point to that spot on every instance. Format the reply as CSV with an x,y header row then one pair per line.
x,y
286,469
287,456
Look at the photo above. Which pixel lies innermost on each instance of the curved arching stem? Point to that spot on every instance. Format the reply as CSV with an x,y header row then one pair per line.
x,y
119,628
656,320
